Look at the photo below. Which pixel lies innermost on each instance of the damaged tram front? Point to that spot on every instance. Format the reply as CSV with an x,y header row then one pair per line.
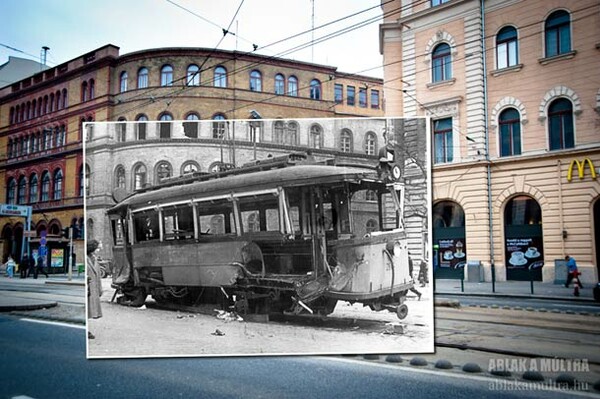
x,y
279,235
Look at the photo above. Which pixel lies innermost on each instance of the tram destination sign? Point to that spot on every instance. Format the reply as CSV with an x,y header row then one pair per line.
x,y
15,210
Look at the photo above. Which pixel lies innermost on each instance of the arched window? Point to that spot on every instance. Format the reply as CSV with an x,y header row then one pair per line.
x,y
346,141
22,191
560,124
141,127
139,177
558,33
316,136
57,184
193,75
165,126
315,89
142,78
163,171
218,126
65,99
84,93
166,75
33,189
292,86
441,63
507,47
87,181
190,126
92,89
279,84
255,81
120,177
121,130
292,133
510,132
370,143
278,129
12,190
220,77
45,186
189,167
89,229
123,82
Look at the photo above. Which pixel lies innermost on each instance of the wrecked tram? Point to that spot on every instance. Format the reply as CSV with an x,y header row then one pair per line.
x,y
280,235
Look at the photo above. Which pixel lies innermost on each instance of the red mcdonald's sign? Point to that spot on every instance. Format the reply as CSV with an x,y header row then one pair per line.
x,y
581,168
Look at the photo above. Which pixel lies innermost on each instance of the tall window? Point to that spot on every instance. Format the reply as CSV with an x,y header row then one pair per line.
x,y
120,177
442,138
166,75
33,189
220,77
292,86
92,89
315,89
142,78
22,190
362,98
375,99
338,93
190,126
255,81
218,126
139,177
506,47
65,99
123,85
121,128
558,33
441,63
279,84
560,124
141,127
12,190
193,75
370,143
84,95
86,179
292,133
510,132
45,186
350,95
57,184
346,141
316,136
278,129
165,126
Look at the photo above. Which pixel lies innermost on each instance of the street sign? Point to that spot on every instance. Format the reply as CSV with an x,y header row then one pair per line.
x,y
15,210
30,234
43,250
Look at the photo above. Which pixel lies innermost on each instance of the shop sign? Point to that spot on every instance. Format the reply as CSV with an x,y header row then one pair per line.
x,y
57,257
451,253
524,253
581,168
15,210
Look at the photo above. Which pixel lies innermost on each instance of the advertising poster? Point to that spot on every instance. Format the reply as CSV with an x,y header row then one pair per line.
x,y
452,253
524,253
57,258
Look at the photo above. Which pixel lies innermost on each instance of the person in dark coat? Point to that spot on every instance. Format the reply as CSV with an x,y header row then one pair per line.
x,y
30,266
24,266
39,267
94,281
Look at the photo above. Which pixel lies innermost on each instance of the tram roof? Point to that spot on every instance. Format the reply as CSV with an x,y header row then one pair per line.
x,y
292,176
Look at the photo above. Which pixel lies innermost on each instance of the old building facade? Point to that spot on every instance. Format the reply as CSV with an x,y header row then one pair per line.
x,y
512,89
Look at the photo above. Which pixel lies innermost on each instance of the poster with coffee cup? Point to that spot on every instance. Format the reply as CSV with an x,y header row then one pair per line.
x,y
524,253
452,253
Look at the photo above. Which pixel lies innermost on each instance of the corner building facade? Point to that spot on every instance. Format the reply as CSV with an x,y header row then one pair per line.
x,y
513,92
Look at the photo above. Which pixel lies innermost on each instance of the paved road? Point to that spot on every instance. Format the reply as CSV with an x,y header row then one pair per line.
x,y
523,303
60,293
46,361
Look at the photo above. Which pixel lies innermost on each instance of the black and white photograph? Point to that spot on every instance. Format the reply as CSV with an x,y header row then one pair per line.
x,y
258,237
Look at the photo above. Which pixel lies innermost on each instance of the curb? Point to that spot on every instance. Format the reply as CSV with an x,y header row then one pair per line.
x,y
70,320
78,283
529,309
492,295
35,306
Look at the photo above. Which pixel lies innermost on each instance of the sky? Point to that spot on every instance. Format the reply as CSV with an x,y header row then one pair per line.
x,y
72,28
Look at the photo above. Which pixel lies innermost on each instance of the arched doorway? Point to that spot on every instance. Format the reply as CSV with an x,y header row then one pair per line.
x,y
7,242
523,239
449,240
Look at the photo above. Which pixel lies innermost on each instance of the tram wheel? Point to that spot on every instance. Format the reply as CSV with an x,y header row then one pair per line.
x,y
402,311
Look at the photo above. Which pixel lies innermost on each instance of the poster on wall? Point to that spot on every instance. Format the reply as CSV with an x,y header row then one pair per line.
x,y
524,253
451,253
57,258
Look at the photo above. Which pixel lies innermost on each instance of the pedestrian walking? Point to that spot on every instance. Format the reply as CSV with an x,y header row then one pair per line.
x,y
94,283
31,262
573,275
39,267
10,267
410,271
23,266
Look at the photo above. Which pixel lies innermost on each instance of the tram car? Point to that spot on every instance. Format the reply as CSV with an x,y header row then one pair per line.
x,y
286,234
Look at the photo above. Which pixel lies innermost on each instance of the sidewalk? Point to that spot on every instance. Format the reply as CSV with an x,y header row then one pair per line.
x,y
9,303
517,289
